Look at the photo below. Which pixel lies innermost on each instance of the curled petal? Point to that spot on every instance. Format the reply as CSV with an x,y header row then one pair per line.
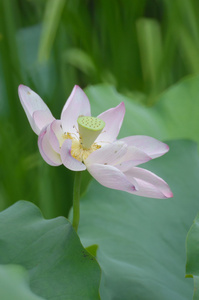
x,y
148,184
113,119
68,160
149,145
110,154
37,111
46,150
111,177
76,105
56,135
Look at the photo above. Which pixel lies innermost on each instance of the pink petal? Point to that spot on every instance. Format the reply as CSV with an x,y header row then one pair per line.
x,y
111,177
113,119
68,160
148,184
31,103
76,105
46,150
109,154
149,145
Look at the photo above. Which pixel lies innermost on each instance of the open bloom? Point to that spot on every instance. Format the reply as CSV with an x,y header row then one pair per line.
x,y
81,142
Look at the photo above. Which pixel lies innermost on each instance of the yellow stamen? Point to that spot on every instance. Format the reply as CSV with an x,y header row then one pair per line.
x,y
77,150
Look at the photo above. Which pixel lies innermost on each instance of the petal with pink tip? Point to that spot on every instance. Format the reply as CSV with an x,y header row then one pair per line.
x,y
46,150
147,144
68,160
76,105
110,154
32,103
148,184
113,119
111,177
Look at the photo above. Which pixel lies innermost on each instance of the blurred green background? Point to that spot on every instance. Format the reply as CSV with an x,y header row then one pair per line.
x,y
141,47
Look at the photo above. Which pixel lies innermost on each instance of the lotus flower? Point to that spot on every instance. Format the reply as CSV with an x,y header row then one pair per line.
x,y
80,142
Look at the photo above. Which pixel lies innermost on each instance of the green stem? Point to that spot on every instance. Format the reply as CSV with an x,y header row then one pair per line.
x,y
76,197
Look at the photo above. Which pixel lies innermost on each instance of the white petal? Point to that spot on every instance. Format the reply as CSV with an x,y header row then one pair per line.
x,y
108,155
113,119
32,103
133,157
42,118
111,177
76,105
68,160
149,145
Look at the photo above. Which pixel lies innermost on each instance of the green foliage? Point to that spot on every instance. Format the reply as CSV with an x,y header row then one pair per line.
x,y
92,249
135,46
142,241
192,264
52,17
50,250
150,44
175,114
14,284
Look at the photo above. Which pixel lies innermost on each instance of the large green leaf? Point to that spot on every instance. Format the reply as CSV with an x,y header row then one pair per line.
x,y
176,114
59,267
142,241
14,284
192,265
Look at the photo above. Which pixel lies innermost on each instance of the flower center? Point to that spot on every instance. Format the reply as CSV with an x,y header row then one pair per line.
x,y
81,154
89,129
